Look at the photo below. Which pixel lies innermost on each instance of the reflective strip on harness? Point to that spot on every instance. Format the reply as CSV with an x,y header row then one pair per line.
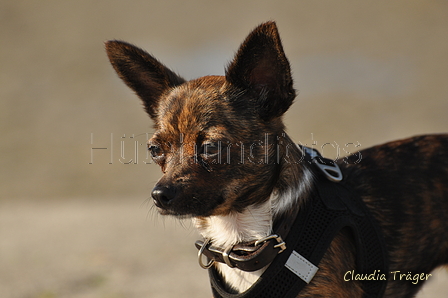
x,y
301,267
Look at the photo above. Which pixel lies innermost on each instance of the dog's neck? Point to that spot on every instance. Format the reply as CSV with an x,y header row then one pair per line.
x,y
224,230
255,222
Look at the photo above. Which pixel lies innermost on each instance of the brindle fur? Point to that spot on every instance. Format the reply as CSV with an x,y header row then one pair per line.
x,y
210,142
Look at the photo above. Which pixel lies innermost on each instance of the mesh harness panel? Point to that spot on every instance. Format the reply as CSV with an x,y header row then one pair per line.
x,y
331,207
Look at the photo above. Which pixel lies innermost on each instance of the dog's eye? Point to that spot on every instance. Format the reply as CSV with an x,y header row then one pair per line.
x,y
209,149
155,151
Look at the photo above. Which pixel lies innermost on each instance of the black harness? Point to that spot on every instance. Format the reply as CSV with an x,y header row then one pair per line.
x,y
331,207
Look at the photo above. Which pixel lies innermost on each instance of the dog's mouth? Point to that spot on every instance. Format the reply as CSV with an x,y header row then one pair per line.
x,y
167,212
183,213
173,211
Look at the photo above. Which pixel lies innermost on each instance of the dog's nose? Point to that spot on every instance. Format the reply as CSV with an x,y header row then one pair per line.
x,y
163,196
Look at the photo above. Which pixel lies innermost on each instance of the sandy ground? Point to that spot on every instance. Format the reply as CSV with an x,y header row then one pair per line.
x,y
105,249
95,250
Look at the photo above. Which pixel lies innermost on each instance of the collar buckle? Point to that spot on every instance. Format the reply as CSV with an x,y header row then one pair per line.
x,y
281,244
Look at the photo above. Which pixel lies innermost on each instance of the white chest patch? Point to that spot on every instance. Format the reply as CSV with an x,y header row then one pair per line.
x,y
252,224
224,231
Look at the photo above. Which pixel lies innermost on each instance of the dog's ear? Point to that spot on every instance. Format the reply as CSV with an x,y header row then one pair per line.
x,y
142,73
261,68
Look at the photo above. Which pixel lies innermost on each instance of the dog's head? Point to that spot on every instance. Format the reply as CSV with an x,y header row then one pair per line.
x,y
217,137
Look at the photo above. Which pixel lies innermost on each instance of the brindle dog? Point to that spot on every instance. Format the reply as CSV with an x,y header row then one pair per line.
x,y
226,162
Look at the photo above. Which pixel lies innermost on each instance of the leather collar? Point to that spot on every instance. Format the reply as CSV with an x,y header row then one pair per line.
x,y
248,256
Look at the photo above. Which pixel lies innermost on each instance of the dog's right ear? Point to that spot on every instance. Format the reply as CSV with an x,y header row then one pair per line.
x,y
142,73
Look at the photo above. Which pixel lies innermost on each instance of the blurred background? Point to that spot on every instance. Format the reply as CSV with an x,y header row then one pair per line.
x,y
75,215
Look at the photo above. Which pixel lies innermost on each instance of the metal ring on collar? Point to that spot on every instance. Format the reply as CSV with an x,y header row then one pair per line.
x,y
211,262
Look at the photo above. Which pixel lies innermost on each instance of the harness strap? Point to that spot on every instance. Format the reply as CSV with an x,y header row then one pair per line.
x,y
331,207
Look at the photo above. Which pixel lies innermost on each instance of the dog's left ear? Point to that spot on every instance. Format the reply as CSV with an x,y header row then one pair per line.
x,y
261,68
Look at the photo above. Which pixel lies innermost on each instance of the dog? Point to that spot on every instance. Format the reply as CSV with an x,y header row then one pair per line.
x,y
228,164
